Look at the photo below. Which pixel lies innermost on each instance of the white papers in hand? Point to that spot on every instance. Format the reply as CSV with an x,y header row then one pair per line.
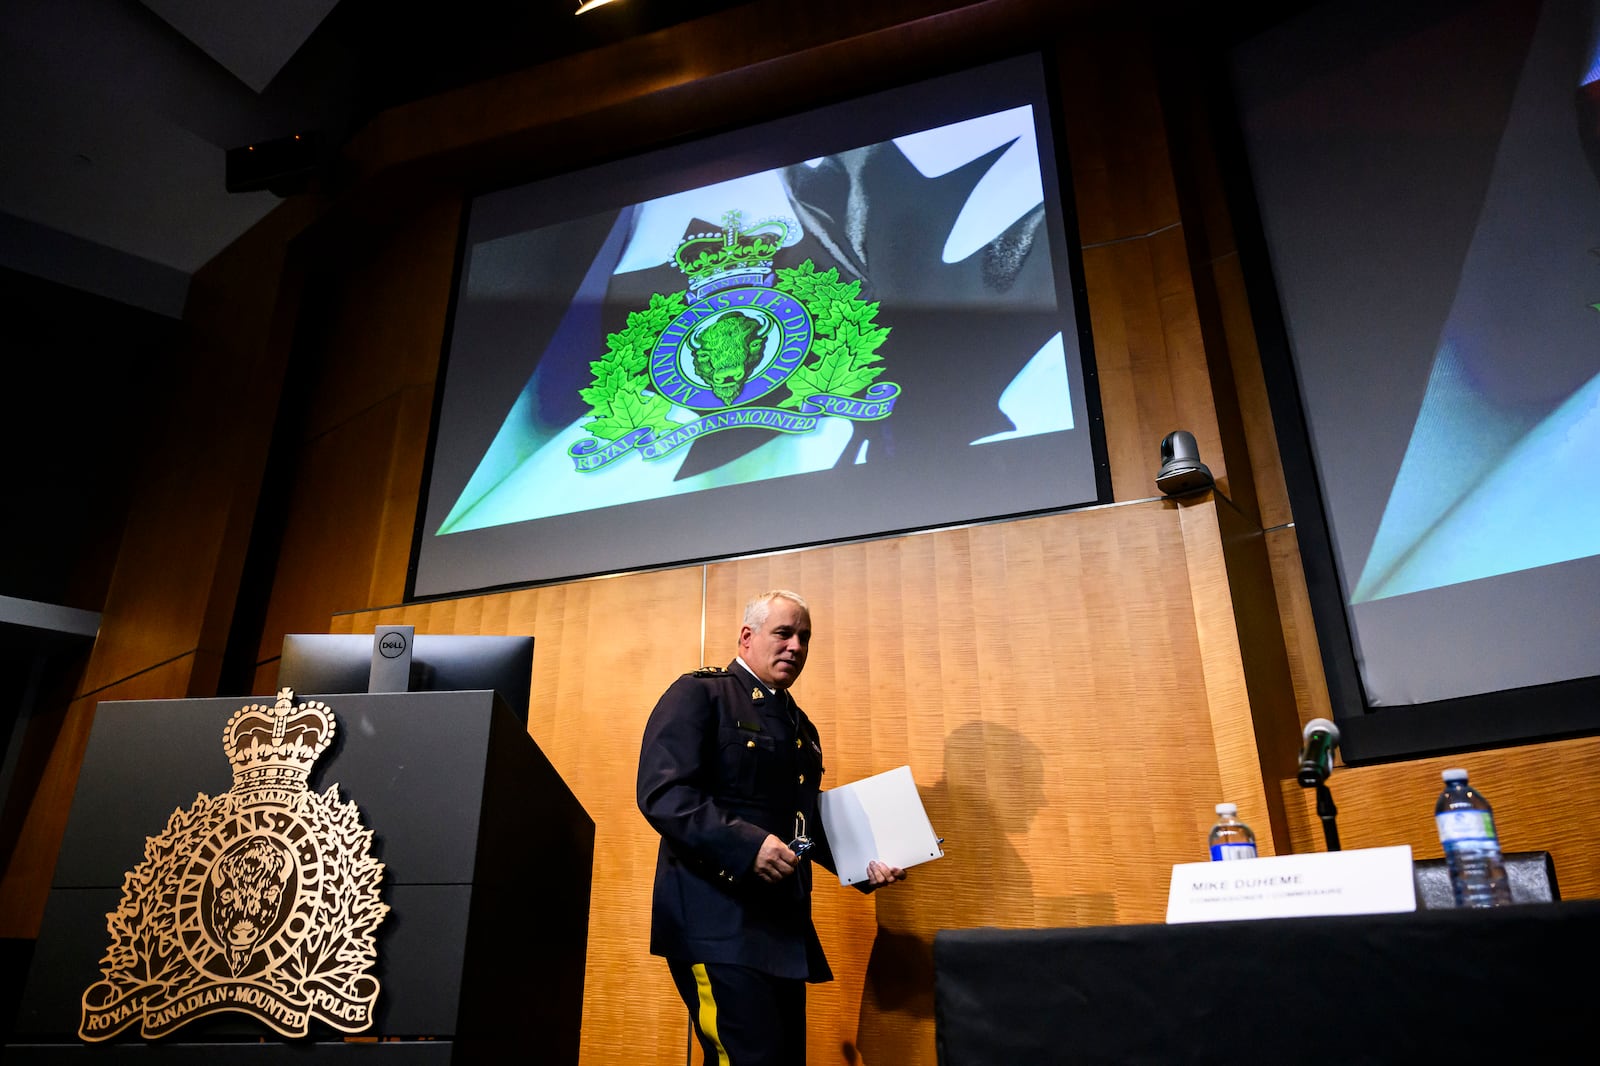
x,y
879,817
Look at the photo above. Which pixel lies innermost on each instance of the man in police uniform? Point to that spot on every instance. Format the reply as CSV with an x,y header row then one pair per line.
x,y
729,773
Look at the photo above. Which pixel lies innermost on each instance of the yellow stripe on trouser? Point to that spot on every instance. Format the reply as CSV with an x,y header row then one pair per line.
x,y
708,1012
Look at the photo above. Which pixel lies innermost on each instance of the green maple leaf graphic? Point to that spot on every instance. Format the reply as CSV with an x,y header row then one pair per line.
x,y
618,399
610,381
628,411
803,281
838,372
846,338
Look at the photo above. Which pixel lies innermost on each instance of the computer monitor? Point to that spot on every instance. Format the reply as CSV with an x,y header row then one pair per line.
x,y
324,664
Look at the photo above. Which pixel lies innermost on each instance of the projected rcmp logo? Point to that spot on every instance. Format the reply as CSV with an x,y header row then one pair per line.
x,y
723,350
262,901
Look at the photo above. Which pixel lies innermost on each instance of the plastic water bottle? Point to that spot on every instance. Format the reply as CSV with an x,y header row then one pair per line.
x,y
1231,838
1471,847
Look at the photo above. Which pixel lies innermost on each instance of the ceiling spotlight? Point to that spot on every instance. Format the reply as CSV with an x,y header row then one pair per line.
x,y
590,5
1181,471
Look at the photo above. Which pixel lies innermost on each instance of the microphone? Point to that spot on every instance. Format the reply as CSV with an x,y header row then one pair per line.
x,y
1320,737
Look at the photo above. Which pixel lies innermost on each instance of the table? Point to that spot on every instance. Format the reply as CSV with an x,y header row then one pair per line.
x,y
1512,984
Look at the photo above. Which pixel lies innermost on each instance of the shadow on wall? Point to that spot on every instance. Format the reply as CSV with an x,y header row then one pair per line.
x,y
991,792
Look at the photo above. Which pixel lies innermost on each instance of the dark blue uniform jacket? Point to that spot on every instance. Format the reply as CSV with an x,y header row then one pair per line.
x,y
723,763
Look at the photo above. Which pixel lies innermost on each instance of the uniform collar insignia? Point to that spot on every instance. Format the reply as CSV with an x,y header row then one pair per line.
x,y
756,693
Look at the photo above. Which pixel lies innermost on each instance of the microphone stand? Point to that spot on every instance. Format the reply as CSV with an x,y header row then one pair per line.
x,y
1320,737
1327,812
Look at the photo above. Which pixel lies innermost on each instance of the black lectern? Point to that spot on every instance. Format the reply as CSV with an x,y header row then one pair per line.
x,y
487,860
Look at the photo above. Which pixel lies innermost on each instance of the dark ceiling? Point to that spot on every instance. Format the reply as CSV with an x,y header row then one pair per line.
x,y
118,114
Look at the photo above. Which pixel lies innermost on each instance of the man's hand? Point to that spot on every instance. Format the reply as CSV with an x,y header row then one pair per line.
x,y
775,861
880,874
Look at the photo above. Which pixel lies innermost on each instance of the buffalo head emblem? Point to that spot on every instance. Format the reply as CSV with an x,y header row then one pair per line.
x,y
727,350
247,886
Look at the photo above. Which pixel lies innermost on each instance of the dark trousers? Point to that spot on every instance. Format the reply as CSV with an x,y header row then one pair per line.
x,y
743,1017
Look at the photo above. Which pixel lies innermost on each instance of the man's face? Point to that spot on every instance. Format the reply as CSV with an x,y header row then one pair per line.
x,y
777,651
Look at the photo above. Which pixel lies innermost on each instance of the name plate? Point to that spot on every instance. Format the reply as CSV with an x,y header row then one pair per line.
x,y
1365,881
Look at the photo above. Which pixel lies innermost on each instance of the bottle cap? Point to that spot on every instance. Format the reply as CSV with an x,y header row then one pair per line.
x,y
1454,774
1227,808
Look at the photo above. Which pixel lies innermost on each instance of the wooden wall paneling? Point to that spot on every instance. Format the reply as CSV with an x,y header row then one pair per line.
x,y
1192,95
264,678
1256,629
333,530
201,458
617,645
1148,347
250,438
1043,678
1114,207
1151,704
1193,376
1299,628
1222,675
604,651
1121,173
346,541
1152,370
1187,74
390,292
30,868
162,584
494,614
1222,391
1052,682
441,616
201,463
727,69
1247,393
1191,50
401,501
1119,341
1183,74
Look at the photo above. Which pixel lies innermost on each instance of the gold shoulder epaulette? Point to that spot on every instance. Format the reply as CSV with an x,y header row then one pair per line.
x,y
711,671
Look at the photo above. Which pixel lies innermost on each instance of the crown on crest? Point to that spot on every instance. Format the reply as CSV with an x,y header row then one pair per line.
x,y
275,747
733,255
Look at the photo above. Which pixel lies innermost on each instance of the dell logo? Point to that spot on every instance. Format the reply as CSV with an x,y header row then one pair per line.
x,y
391,645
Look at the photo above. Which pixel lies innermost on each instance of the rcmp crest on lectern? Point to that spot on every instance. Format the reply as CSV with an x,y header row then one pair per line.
x,y
262,901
